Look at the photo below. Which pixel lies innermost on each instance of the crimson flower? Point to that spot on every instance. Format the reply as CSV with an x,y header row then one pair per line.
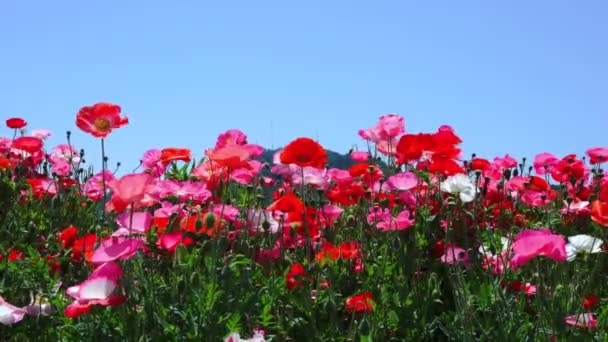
x,y
16,123
304,152
100,119
362,302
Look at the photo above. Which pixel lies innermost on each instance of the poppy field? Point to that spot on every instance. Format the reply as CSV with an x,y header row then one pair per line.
x,y
414,242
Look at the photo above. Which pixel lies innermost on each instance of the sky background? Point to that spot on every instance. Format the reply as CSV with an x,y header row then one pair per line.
x,y
517,77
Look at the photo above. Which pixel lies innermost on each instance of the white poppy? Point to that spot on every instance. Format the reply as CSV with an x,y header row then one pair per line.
x,y
460,184
582,244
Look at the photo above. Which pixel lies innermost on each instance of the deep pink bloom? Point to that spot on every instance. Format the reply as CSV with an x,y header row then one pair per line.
x,y
94,186
506,162
455,255
532,243
598,155
384,221
545,163
359,156
170,241
117,248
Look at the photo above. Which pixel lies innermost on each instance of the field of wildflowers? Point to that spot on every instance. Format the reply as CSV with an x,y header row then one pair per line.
x,y
414,242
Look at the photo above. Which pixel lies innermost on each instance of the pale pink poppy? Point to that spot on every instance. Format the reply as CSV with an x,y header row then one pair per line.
x,y
402,181
585,320
10,314
41,133
96,290
130,188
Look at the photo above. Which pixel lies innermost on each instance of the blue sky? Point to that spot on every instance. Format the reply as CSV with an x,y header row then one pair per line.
x,y
516,77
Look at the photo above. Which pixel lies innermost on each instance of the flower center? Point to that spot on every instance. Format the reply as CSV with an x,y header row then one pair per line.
x,y
102,125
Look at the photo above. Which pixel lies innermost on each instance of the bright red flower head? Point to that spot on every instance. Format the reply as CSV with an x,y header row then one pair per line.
x,y
100,119
288,203
599,212
28,144
294,277
170,154
479,164
16,123
304,152
362,302
68,236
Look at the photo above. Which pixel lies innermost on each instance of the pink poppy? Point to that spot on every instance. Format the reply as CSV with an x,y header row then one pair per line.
x,y
533,243
96,290
10,314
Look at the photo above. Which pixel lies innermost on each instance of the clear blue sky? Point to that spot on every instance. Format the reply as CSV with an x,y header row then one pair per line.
x,y
516,76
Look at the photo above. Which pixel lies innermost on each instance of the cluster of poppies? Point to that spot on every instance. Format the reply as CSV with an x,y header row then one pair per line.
x,y
425,171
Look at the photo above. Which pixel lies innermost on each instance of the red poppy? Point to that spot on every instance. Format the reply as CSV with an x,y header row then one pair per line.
x,y
411,146
68,236
288,203
350,250
328,251
85,246
538,184
16,123
362,302
304,152
569,168
100,119
479,164
590,301
170,154
294,278
599,212
6,163
28,144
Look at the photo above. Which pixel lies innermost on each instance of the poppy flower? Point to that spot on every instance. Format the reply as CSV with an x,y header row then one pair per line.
x,y
100,119
28,144
362,302
532,243
294,276
479,164
10,314
598,155
170,154
599,212
589,301
304,152
230,156
85,246
16,123
289,203
96,290
68,236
